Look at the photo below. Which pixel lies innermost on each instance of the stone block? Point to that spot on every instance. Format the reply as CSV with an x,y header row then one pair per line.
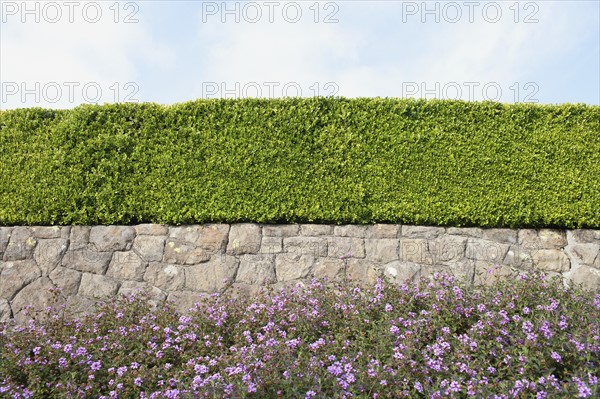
x,y
151,229
584,253
288,230
244,239
474,232
150,248
533,240
183,301
126,265
587,277
79,238
330,269
350,230
400,272
381,230
446,249
586,235
184,253
551,260
212,276
87,260
67,280
462,270
344,246
21,244
271,245
294,247
487,273
253,271
382,250
15,275
288,269
213,238
32,301
48,253
5,233
316,229
164,276
415,250
507,236
112,238
428,232
363,271
187,233
5,310
95,286
46,231
486,250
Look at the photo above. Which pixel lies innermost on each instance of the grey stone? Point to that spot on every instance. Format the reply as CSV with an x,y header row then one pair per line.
x,y
252,271
95,286
212,276
350,230
518,256
291,269
16,275
126,266
271,245
447,249
150,248
33,300
87,260
79,306
289,230
382,250
46,231
415,250
112,238
184,253
316,229
383,231
330,269
66,279
295,247
586,235
400,272
187,233
463,270
508,236
151,229
49,252
428,232
552,260
486,250
487,273
244,239
165,277
363,271
474,232
153,295
4,238
21,244
79,238
587,277
184,301
584,253
533,240
5,310
213,238
344,246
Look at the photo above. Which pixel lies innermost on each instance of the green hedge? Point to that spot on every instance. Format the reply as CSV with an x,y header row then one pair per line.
x,y
330,160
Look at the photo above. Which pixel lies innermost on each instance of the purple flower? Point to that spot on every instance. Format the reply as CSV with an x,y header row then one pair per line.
x,y
310,394
584,390
556,357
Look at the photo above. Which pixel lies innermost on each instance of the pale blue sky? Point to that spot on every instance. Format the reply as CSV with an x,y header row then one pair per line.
x,y
174,51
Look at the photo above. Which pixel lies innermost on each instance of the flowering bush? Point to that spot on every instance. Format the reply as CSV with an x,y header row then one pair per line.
x,y
437,338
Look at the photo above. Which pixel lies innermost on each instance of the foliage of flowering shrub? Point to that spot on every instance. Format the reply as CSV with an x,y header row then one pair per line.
x,y
530,338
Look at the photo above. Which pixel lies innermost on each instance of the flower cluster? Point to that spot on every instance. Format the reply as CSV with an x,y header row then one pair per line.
x,y
436,338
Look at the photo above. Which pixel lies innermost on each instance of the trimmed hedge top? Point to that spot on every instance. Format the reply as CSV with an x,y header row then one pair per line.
x,y
325,160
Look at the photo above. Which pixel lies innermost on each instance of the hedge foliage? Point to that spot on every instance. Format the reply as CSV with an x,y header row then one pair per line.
x,y
330,160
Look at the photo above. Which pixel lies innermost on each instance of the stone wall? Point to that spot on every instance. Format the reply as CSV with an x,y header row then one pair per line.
x,y
183,262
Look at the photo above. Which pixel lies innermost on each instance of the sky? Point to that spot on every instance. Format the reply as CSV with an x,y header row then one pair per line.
x,y
60,54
